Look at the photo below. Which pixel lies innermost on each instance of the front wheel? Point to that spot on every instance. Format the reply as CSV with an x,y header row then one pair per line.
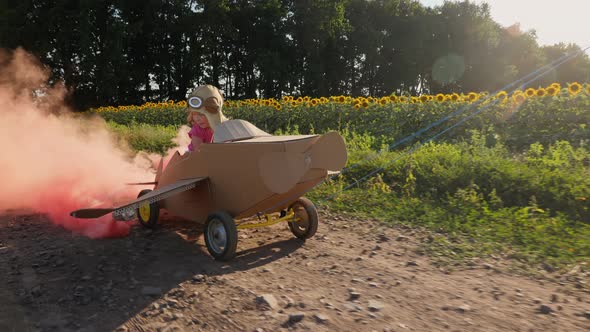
x,y
148,214
221,236
306,219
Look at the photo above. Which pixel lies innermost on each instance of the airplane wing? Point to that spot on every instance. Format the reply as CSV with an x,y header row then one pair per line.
x,y
153,196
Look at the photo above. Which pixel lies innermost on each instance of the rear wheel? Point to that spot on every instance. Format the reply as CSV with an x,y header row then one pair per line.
x,y
306,222
148,214
221,236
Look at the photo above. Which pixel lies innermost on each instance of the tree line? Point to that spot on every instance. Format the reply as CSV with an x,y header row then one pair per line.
x,y
110,52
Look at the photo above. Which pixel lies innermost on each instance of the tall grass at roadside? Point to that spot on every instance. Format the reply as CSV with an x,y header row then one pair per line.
x,y
477,199
145,137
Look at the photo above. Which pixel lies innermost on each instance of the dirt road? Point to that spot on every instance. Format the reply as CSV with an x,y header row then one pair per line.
x,y
354,275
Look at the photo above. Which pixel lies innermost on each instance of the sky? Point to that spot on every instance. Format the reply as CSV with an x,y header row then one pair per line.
x,y
554,21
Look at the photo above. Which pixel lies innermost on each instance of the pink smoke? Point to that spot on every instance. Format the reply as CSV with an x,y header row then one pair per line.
x,y
54,162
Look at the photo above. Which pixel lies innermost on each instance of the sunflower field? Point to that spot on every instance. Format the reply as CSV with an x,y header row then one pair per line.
x,y
544,114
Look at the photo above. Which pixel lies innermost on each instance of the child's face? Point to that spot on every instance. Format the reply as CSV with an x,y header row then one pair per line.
x,y
201,120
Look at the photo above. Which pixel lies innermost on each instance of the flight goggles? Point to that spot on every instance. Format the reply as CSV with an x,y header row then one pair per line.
x,y
195,102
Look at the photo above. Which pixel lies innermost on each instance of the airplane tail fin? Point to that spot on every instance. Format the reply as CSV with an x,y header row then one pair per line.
x,y
282,170
328,152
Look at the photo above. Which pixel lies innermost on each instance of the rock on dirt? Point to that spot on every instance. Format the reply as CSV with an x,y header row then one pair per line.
x,y
267,302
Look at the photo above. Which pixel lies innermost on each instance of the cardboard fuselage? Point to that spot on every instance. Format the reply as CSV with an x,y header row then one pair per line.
x,y
258,175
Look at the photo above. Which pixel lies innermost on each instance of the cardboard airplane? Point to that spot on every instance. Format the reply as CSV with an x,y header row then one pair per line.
x,y
243,173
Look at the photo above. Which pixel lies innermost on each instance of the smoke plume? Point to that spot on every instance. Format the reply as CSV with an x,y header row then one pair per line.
x,y
52,161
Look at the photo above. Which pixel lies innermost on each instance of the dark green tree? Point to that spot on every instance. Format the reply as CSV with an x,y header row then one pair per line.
x,y
129,51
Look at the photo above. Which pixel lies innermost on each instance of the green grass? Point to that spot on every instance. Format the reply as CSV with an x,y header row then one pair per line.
x,y
144,137
476,198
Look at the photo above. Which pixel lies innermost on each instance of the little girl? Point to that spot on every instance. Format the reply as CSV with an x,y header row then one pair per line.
x,y
204,114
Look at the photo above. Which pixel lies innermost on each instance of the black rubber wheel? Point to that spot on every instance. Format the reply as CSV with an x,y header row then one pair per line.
x,y
307,219
148,214
221,236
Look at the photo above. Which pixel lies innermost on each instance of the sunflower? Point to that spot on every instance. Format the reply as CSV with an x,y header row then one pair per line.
x,y
278,107
365,103
472,96
518,97
341,99
502,95
403,99
393,98
556,85
551,91
440,97
541,92
357,105
423,98
314,102
574,88
455,97
530,92
383,101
